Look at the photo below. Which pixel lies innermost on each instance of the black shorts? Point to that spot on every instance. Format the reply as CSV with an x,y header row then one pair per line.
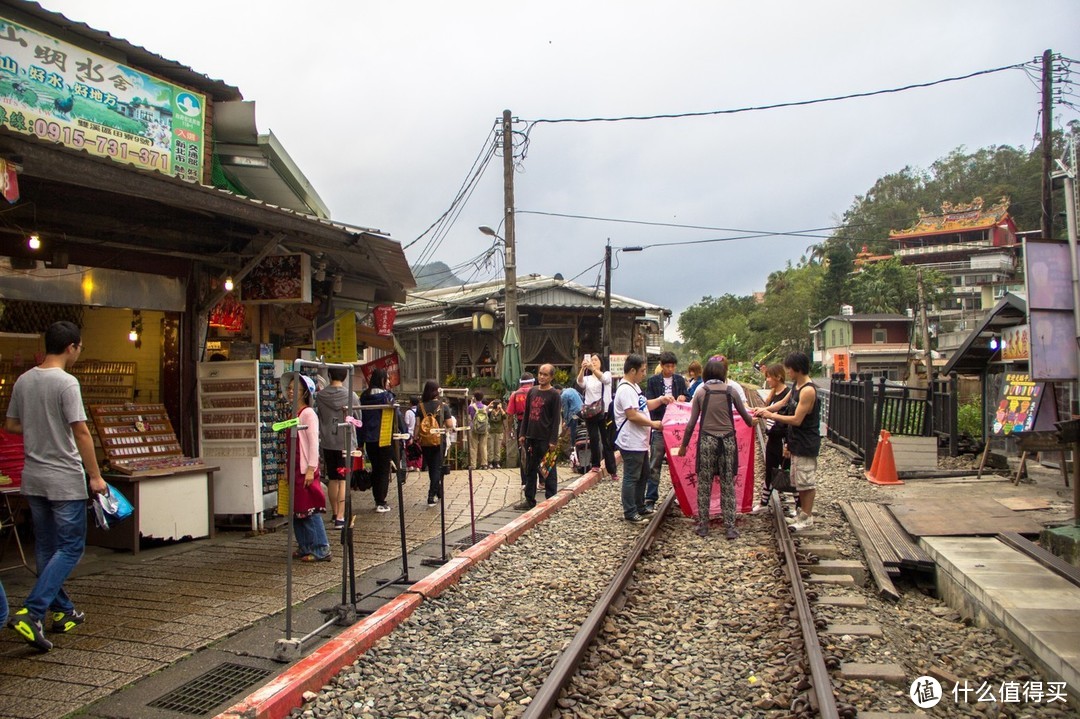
x,y
336,468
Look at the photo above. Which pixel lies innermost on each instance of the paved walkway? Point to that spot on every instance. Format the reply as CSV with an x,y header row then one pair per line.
x,y
147,611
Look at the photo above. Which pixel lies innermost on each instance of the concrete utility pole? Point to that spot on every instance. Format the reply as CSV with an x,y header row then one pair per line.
x,y
605,330
508,220
1047,224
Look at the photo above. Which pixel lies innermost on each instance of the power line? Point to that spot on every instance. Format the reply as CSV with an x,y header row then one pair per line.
x,y
779,105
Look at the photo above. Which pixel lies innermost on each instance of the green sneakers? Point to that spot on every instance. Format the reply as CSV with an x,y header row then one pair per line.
x,y
30,629
63,622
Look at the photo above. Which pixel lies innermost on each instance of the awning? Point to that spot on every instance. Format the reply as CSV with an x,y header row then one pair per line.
x,y
974,355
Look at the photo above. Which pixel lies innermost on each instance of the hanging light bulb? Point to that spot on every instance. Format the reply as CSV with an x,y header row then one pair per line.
x,y
337,284
133,335
228,284
34,242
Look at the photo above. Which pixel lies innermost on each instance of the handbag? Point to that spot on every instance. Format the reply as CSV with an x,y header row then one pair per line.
x,y
592,410
781,480
361,480
111,507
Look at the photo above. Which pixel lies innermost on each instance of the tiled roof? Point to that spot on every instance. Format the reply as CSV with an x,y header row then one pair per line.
x,y
957,218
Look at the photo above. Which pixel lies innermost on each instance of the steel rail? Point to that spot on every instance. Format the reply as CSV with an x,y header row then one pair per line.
x,y
819,673
543,703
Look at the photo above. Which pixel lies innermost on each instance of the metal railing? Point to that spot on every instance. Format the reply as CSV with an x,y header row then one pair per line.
x,y
861,407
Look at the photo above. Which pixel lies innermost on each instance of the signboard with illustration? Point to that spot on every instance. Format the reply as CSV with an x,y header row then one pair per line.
x,y
1015,343
1017,405
390,363
278,279
60,92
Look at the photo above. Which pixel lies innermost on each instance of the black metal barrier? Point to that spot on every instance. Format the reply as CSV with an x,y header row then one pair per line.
x,y
859,408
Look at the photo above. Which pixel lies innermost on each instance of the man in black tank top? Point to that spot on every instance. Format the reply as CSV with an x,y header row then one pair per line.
x,y
804,434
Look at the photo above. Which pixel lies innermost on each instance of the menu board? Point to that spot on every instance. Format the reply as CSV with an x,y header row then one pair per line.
x,y
1017,405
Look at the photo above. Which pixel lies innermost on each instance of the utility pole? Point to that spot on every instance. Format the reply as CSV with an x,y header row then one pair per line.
x,y
605,342
510,303
1047,224
928,360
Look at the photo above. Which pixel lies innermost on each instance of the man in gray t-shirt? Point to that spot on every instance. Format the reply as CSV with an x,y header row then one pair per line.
x,y
46,408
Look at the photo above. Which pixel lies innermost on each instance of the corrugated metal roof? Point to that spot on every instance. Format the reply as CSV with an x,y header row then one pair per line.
x,y
135,56
533,291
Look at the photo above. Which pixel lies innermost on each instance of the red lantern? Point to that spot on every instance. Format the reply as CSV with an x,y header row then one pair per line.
x,y
384,320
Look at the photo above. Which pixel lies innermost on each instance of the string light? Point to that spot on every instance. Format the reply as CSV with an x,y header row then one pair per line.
x,y
34,242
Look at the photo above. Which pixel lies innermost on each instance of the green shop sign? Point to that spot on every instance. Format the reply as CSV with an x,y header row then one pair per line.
x,y
59,92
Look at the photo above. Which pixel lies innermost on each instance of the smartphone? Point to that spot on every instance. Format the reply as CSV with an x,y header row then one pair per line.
x,y
588,358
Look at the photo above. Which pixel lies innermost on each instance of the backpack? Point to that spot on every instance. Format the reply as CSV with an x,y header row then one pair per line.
x,y
480,421
426,431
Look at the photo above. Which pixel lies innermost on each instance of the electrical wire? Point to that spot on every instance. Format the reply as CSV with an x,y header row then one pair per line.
x,y
470,176
780,105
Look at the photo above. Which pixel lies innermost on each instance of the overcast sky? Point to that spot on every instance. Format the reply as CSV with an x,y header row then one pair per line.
x,y
385,106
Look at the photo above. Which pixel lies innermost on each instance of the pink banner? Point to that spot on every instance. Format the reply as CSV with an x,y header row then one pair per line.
x,y
683,469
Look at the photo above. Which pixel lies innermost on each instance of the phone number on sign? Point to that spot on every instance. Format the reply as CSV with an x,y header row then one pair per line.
x,y
100,144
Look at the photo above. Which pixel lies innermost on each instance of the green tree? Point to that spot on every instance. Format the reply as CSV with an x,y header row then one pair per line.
x,y
889,286
784,319
706,324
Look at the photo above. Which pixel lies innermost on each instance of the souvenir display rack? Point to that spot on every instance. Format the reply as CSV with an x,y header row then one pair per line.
x,y
138,439
238,401
172,495
99,381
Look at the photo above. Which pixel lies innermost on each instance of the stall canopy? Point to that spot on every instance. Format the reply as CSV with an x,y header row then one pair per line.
x,y
975,353
75,198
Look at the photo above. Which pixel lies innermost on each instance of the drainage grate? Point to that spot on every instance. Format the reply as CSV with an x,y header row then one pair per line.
x,y
205,692
468,542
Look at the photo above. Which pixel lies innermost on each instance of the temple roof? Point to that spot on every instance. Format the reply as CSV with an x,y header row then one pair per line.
x,y
957,218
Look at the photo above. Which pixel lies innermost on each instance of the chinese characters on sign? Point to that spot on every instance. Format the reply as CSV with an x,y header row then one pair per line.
x,y
336,341
59,92
1018,404
278,279
926,692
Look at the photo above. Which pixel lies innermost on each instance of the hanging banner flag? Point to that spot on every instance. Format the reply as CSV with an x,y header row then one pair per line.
x,y
390,363
336,341
684,469
384,319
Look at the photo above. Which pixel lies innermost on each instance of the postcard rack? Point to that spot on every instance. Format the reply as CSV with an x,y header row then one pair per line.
x,y
138,439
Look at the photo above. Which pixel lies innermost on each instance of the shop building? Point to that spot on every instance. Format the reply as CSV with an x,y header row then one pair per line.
x,y
123,172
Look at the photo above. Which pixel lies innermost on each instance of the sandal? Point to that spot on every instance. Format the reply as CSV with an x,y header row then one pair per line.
x,y
313,558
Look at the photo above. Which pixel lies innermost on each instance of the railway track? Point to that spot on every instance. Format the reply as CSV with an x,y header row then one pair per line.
x,y
587,616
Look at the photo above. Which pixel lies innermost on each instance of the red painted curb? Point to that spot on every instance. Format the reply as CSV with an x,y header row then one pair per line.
x,y
514,529
584,484
484,548
557,502
442,578
286,691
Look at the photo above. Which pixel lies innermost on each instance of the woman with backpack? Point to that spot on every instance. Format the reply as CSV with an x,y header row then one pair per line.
x,y
376,435
478,432
715,404
432,415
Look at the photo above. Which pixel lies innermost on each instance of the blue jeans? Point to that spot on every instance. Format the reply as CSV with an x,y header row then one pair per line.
x,y
3,606
635,475
657,452
59,541
311,536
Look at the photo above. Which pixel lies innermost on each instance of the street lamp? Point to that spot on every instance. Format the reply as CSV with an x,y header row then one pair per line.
x,y
510,307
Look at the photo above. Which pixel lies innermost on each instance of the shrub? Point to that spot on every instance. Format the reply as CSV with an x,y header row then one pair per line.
x,y
969,419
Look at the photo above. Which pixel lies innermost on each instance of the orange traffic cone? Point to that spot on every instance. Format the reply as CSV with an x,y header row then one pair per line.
x,y
883,469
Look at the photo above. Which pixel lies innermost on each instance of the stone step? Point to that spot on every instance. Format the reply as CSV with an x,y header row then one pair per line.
x,y
811,534
851,567
825,551
841,580
843,601
892,673
855,630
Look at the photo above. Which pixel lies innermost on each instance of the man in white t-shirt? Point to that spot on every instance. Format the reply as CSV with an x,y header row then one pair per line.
x,y
632,430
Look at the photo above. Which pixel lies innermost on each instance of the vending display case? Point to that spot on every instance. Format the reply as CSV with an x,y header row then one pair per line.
x,y
172,495
238,401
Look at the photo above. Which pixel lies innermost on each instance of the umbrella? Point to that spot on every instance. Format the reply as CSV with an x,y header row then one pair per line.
x,y
510,371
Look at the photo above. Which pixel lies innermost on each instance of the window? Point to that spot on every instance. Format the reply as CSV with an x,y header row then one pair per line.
x,y
879,336
832,338
463,368
429,358
409,363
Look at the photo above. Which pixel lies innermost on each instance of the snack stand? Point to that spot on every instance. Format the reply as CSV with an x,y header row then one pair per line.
x,y
173,495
